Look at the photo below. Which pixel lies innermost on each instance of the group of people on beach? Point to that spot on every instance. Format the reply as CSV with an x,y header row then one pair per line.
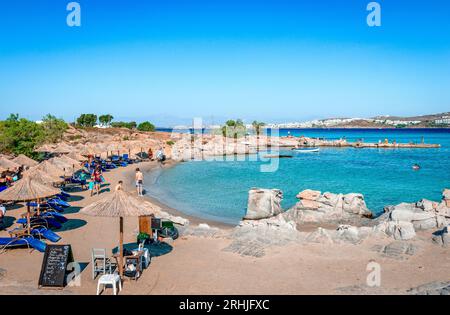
x,y
8,177
94,180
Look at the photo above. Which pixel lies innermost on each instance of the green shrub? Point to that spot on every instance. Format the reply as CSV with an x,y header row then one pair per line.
x,y
146,126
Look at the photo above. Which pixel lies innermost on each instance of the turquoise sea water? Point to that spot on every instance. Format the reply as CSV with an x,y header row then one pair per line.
x,y
218,190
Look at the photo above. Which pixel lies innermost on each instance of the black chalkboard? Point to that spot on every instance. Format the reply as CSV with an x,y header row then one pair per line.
x,y
54,266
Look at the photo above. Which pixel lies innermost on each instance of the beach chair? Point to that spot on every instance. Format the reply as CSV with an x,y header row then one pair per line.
x,y
48,222
100,262
58,202
109,279
56,215
15,242
62,197
56,207
43,232
40,205
65,194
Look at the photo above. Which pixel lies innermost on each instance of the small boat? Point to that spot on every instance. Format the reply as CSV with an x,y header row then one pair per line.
x,y
306,150
416,167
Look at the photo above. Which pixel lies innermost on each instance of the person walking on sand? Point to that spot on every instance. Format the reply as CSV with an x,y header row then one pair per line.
x,y
97,177
139,182
91,186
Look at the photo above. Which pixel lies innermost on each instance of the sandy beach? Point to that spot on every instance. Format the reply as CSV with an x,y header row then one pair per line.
x,y
199,265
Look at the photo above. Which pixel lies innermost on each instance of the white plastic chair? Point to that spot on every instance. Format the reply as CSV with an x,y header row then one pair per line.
x,y
109,279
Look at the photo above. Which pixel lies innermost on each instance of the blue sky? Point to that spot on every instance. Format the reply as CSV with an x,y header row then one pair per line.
x,y
169,61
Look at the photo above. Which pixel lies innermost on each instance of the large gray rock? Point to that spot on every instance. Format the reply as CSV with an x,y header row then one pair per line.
x,y
252,237
400,230
442,237
315,207
424,214
397,250
263,203
433,288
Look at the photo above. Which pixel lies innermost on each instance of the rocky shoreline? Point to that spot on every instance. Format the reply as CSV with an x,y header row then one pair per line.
x,y
336,219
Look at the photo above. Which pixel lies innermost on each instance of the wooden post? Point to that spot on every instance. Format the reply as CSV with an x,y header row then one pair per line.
x,y
121,248
28,220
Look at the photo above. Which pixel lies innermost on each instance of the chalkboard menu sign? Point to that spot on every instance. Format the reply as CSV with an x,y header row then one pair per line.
x,y
54,266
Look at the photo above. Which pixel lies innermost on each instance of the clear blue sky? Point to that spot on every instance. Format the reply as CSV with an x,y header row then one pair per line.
x,y
169,61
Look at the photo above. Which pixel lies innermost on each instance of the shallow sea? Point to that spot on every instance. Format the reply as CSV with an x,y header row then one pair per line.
x,y
218,190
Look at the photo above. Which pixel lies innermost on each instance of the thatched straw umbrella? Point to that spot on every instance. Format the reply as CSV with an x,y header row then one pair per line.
x,y
86,151
65,163
69,160
119,204
42,177
50,169
46,148
62,148
5,163
28,189
75,156
25,161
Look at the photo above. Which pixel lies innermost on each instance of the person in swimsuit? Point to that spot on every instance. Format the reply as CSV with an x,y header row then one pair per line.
x,y
119,186
139,182
97,177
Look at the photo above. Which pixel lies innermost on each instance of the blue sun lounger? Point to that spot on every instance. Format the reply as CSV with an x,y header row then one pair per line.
x,y
62,197
9,242
48,222
56,207
35,205
65,194
56,215
58,202
46,233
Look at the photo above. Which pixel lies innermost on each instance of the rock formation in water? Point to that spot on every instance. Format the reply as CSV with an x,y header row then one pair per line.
x,y
263,203
315,207
265,220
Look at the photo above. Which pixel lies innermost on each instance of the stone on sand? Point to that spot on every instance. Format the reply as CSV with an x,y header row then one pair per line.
x,y
314,207
400,230
432,288
263,203
442,237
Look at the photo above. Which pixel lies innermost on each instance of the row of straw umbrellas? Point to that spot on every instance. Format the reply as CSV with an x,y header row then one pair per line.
x,y
38,183
74,151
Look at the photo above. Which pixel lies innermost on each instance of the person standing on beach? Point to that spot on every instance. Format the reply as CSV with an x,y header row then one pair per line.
x,y
97,177
139,182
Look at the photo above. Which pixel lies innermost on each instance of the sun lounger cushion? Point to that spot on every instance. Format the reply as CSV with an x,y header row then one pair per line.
x,y
48,234
20,242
